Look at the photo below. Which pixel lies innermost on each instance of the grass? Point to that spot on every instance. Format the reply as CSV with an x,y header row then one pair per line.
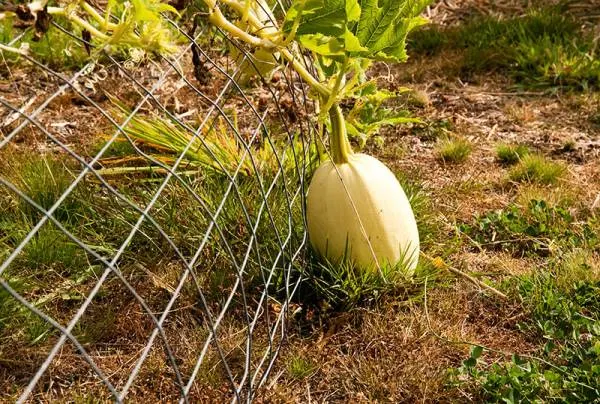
x,y
300,368
509,154
554,196
421,205
535,168
453,150
44,180
341,286
55,272
219,151
544,48
51,249
371,323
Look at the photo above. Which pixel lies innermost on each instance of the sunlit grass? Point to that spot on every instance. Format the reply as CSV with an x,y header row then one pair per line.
x,y
536,168
453,150
544,48
511,153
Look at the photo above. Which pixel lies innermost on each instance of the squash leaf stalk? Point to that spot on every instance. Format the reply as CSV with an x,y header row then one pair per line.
x,y
340,146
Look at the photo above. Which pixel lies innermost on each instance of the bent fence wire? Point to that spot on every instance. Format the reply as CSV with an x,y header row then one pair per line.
x,y
148,268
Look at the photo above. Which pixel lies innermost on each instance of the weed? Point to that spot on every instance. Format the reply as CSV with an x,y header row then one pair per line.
x,y
433,130
300,368
569,145
427,41
511,154
218,150
8,305
17,320
119,148
538,169
342,286
453,151
418,99
37,330
520,112
565,319
579,265
538,229
554,196
96,328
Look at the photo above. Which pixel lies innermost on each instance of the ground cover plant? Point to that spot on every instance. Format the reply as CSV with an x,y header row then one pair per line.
x,y
198,193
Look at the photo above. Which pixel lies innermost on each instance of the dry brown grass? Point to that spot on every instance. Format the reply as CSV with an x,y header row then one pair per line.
x,y
394,353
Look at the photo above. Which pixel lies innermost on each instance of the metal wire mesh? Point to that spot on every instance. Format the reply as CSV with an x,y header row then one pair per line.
x,y
162,280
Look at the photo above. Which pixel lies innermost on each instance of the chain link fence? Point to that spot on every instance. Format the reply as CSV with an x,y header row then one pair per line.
x,y
151,222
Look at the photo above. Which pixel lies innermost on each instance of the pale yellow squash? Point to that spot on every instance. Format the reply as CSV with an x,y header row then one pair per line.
x,y
359,210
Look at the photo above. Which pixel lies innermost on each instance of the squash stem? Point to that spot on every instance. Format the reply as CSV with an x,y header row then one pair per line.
x,y
340,146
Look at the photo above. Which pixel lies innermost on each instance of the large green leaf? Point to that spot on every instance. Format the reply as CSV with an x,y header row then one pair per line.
x,y
323,25
375,21
384,25
373,29
325,17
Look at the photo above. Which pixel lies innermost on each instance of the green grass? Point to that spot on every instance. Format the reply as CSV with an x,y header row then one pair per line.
x,y
52,261
300,368
421,205
544,48
453,150
51,249
44,179
535,168
342,286
563,318
510,154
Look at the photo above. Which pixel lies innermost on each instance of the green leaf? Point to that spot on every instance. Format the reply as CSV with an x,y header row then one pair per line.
x,y
375,20
326,17
384,25
352,10
166,8
476,351
352,130
470,363
392,45
142,12
323,45
352,44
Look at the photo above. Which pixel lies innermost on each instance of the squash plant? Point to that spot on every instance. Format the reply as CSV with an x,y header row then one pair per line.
x,y
356,209
135,26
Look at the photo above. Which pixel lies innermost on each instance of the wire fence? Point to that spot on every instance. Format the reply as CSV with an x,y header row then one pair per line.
x,y
142,268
